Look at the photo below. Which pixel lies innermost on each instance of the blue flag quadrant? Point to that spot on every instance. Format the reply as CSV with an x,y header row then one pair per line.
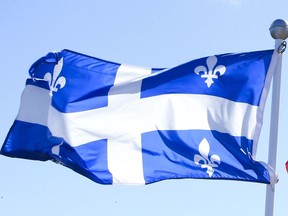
x,y
121,124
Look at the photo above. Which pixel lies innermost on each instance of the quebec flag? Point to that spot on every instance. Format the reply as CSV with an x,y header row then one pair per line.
x,y
120,124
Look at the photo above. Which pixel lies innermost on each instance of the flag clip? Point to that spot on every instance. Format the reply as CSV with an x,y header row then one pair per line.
x,y
273,176
282,47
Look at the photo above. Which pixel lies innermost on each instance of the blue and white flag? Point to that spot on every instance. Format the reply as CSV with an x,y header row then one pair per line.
x,y
120,124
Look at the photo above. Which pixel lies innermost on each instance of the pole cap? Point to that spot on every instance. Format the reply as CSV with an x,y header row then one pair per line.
x,y
279,29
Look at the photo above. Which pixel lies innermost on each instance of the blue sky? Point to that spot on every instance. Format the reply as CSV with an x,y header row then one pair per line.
x,y
152,33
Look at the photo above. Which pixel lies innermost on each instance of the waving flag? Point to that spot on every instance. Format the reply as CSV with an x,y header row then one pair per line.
x,y
120,124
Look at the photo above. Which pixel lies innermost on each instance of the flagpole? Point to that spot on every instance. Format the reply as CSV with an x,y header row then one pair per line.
x,y
279,31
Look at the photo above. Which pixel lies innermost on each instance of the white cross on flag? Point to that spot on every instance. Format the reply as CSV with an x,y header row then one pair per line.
x,y
119,124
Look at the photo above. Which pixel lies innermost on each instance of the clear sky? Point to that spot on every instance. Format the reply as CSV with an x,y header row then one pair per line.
x,y
152,33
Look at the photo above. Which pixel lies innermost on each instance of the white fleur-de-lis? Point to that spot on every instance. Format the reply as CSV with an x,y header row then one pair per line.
x,y
56,82
204,160
211,72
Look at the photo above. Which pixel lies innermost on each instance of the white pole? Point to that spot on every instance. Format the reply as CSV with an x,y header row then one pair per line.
x,y
279,31
270,189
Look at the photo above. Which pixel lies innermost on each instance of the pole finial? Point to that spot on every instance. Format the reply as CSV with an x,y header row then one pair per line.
x,y
279,29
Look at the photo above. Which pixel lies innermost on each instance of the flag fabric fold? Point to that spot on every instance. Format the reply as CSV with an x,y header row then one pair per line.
x,y
121,124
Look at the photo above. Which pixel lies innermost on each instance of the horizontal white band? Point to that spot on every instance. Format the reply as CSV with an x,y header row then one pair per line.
x,y
35,105
163,112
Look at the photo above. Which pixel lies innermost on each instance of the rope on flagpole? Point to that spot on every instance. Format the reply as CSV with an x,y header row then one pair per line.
x,y
281,49
279,31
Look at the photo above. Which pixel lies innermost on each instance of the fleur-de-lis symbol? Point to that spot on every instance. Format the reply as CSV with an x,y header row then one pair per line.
x,y
212,71
204,160
56,82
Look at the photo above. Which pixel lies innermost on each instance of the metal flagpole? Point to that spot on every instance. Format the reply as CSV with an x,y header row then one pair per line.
x,y
279,31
